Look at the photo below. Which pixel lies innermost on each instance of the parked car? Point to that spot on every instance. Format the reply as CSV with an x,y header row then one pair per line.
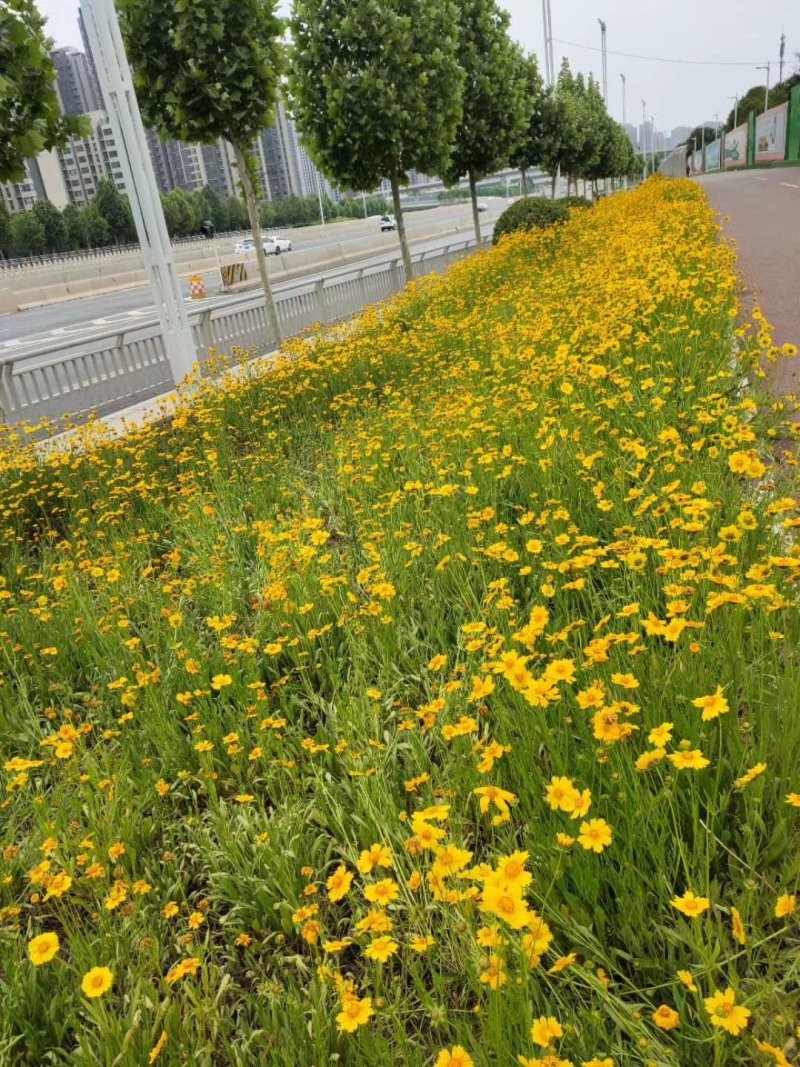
x,y
482,206
388,222
273,246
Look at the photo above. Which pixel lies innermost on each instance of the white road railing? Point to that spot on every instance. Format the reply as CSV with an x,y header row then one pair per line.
x,y
112,368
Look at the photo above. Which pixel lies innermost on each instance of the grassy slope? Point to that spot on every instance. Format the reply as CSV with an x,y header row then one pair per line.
x,y
549,426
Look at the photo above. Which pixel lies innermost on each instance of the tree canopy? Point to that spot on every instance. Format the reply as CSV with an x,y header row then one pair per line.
x,y
30,115
376,89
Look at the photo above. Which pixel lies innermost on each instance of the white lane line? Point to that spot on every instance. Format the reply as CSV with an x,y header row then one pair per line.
x,y
790,185
99,322
12,343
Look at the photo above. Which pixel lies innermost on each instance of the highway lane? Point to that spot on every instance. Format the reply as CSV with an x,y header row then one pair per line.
x,y
107,308
128,321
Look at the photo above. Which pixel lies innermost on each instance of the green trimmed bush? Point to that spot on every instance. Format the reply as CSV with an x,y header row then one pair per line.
x,y
576,201
530,213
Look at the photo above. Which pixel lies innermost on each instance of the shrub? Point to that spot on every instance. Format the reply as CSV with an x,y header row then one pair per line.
x,y
531,213
576,201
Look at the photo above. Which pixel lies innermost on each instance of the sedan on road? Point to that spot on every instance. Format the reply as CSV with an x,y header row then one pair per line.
x,y
388,222
273,246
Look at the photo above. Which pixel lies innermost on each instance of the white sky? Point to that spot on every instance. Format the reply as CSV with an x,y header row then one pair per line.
x,y
676,94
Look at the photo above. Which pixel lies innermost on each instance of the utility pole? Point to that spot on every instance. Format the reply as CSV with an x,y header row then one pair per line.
x,y
624,120
116,83
781,53
653,141
549,65
735,110
766,90
643,145
605,60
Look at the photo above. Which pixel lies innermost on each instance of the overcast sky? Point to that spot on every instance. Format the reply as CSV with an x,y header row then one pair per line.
x,y
677,94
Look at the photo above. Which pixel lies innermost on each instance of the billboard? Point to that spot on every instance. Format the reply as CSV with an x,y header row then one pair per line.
x,y
771,134
713,155
697,162
735,152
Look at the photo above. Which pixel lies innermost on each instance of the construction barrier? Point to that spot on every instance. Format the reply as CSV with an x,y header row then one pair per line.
x,y
197,287
233,273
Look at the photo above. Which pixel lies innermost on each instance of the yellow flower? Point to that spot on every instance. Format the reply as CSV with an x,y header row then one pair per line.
x,y
726,1013
785,905
666,1018
691,905
594,835
381,949
750,776
493,975
374,856
221,681
43,948
737,928
506,904
58,885
338,885
354,1013
778,1055
421,944
382,893
687,980
692,760
97,981
454,1057
188,966
712,706
170,909
437,663
481,688
545,1030
157,1049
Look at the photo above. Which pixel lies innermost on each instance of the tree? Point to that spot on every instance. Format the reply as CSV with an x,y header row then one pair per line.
x,y
27,234
55,232
98,231
494,113
702,135
376,89
75,226
30,115
5,231
181,212
209,69
215,208
529,149
116,210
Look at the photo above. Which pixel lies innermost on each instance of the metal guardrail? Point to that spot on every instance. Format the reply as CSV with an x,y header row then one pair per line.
x,y
112,368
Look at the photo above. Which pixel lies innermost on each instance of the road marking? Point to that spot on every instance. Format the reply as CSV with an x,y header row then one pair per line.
x,y
790,185
99,322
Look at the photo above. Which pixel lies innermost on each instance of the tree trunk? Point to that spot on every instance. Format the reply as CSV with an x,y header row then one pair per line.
x,y
553,185
401,226
255,228
524,175
473,192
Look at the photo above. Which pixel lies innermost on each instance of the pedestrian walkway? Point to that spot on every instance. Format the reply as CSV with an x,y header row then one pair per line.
x,y
761,212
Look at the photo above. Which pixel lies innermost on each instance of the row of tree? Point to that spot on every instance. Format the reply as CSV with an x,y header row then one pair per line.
x,y
377,87
108,220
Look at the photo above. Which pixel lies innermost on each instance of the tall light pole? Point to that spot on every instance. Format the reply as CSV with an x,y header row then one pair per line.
x,y
644,139
549,66
766,90
319,197
114,75
605,60
735,110
653,141
624,118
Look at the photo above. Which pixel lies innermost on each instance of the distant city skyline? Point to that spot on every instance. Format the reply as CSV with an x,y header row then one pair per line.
x,y
725,31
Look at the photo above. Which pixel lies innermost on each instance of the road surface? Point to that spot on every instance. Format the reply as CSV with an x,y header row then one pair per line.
x,y
107,308
761,212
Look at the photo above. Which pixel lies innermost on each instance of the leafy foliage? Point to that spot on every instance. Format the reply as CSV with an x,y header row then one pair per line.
x,y
530,213
376,89
30,115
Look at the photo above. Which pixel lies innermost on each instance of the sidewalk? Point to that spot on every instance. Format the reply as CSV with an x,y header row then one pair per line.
x,y
761,212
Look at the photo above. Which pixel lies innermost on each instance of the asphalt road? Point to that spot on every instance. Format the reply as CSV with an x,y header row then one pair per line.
x,y
107,308
761,212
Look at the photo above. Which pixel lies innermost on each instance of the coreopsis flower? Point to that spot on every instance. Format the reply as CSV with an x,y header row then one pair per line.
x,y
594,835
725,1013
713,705
43,948
457,1056
355,1012
545,1030
338,884
691,905
97,981
666,1018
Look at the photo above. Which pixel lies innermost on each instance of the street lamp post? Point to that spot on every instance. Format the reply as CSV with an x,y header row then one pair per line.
x,y
735,110
644,139
114,75
624,119
766,90
653,141
319,197
549,66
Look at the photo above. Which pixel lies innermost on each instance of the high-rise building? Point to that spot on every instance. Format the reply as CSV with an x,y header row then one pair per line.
x,y
76,86
679,136
86,160
90,60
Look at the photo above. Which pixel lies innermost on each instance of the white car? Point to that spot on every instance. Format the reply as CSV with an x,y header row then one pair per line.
x,y
273,246
482,206
388,222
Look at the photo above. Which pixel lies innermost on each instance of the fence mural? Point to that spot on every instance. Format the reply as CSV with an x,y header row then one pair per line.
x,y
713,154
735,153
771,134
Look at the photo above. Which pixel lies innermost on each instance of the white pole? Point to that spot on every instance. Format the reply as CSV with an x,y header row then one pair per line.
x,y
114,75
653,141
624,119
319,197
364,202
644,139
549,65
605,60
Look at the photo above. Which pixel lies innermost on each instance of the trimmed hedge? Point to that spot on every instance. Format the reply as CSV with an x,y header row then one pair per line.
x,y
577,201
530,213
